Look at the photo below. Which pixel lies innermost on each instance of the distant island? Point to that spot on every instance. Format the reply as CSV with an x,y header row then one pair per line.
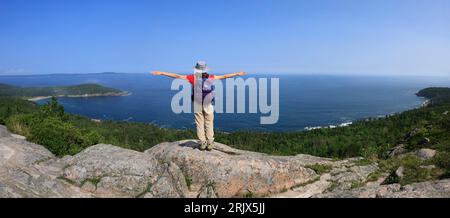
x,y
39,93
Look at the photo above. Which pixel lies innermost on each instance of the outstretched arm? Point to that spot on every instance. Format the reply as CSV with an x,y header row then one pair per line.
x,y
229,75
173,75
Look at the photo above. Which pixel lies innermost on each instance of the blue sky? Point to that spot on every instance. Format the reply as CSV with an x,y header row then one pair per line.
x,y
370,37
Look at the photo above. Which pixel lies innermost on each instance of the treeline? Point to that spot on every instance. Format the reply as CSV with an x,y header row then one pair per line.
x,y
15,91
364,138
65,133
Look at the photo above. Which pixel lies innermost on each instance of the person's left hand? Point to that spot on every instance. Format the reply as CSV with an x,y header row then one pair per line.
x,y
241,73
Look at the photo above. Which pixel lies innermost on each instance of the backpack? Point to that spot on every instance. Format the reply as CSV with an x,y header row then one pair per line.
x,y
205,86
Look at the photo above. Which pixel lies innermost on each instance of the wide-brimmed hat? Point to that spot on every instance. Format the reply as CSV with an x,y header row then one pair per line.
x,y
201,67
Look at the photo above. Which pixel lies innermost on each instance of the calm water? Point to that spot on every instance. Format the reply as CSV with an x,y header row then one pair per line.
x,y
305,101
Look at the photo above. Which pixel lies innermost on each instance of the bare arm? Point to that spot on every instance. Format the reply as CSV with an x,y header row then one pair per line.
x,y
173,75
225,76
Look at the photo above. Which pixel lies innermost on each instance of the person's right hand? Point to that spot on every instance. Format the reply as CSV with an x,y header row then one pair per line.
x,y
157,73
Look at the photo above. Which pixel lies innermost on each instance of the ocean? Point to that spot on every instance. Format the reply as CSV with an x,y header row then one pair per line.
x,y
305,100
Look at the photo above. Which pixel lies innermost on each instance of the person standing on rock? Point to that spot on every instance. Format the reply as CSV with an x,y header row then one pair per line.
x,y
203,98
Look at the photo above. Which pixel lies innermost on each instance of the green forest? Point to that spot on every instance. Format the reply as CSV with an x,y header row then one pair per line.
x,y
9,91
67,134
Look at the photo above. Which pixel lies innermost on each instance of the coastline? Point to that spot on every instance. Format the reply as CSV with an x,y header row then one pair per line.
x,y
425,103
109,94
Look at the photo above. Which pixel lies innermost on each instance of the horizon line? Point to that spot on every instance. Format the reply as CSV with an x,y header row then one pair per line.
x,y
258,73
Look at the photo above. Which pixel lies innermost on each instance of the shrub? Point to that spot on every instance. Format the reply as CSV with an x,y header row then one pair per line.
x,y
59,137
442,160
91,137
21,124
320,168
52,109
414,170
48,127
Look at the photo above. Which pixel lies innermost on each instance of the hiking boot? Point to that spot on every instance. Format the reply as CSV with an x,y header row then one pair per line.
x,y
210,146
203,145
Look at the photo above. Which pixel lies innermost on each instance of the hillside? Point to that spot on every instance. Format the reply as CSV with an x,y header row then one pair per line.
x,y
410,147
178,170
77,90
438,95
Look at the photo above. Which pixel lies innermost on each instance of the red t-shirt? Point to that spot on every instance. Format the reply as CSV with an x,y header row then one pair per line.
x,y
191,78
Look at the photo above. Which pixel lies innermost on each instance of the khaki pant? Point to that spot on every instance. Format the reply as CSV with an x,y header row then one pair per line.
x,y
204,120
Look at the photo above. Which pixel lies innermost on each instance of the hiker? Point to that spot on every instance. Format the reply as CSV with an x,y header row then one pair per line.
x,y
203,95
